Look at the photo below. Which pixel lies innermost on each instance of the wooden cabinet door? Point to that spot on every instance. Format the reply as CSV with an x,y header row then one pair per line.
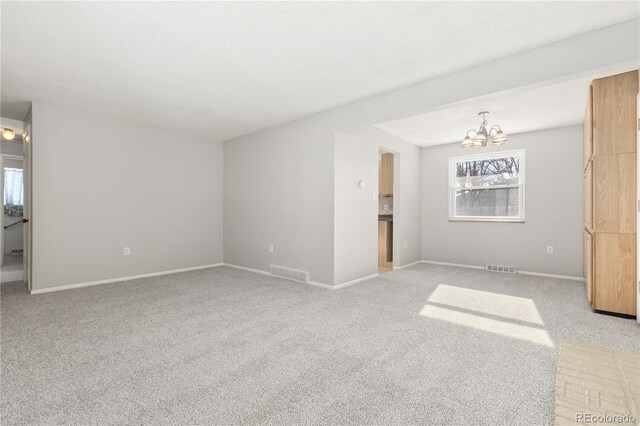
x,y
588,134
385,244
588,197
380,176
588,265
614,196
615,273
390,171
614,114
382,243
386,174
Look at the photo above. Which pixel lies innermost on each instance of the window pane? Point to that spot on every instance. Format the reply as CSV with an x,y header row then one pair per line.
x,y
13,194
503,202
488,172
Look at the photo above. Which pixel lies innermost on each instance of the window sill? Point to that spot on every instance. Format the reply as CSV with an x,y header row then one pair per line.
x,y
520,220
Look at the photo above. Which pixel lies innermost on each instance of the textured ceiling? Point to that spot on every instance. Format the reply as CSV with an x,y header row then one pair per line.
x,y
516,111
222,69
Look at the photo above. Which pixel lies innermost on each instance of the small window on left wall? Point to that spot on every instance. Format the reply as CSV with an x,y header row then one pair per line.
x,y
13,192
487,187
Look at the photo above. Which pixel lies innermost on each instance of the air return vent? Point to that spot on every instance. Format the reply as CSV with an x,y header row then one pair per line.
x,y
498,268
289,274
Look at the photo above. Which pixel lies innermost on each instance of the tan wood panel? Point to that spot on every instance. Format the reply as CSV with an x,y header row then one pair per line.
x,y
606,194
614,193
389,243
386,175
588,265
615,273
627,168
380,176
389,175
382,243
588,136
588,197
614,114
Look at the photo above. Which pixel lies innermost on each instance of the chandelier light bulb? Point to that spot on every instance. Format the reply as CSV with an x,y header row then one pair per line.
x,y
467,142
479,140
500,138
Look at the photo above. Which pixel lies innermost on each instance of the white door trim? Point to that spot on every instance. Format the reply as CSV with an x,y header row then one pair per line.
x,y
638,206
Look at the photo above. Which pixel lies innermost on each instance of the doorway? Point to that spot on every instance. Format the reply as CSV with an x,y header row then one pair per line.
x,y
13,218
386,162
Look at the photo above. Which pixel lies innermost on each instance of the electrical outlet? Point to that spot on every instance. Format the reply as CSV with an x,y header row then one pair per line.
x,y
127,251
270,248
405,244
549,249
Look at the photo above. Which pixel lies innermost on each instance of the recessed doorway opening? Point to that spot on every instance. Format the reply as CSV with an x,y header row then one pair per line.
x,y
13,221
12,217
385,211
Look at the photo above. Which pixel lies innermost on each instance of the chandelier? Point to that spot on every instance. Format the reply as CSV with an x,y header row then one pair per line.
x,y
8,134
483,136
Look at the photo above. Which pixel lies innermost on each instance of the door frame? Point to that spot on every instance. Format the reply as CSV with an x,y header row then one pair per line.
x,y
27,233
638,205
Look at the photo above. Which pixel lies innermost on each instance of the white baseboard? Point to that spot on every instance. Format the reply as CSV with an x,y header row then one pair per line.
x,y
560,277
459,265
408,265
120,279
312,283
321,285
244,268
261,272
356,281
536,274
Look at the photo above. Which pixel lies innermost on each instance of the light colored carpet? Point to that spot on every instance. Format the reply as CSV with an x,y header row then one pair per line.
x,y
423,345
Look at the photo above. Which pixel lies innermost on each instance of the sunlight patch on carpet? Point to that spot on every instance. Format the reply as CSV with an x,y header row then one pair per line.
x,y
495,304
502,328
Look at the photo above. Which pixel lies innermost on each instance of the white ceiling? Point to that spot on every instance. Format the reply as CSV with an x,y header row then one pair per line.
x,y
516,111
222,69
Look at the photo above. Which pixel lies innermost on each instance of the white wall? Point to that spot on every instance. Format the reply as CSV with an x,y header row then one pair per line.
x,y
279,182
553,208
101,184
356,209
278,189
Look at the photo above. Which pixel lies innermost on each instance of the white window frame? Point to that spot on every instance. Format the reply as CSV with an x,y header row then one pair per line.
x,y
483,156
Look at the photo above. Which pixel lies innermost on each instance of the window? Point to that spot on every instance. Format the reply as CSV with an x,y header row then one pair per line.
x,y
13,194
487,187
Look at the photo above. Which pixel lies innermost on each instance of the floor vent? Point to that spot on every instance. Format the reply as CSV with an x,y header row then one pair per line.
x,y
498,268
289,274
